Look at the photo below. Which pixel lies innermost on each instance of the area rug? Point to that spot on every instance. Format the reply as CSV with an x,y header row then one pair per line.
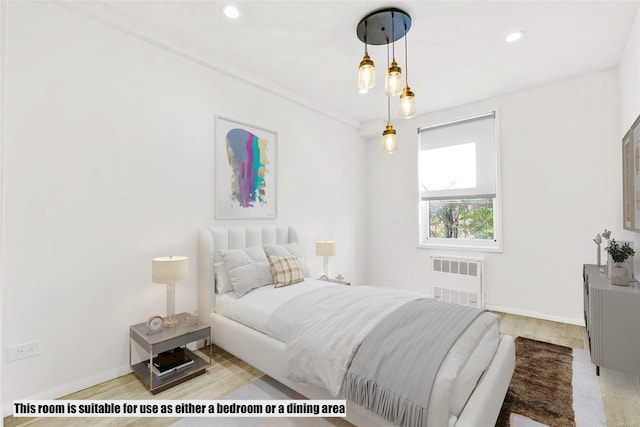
x,y
552,386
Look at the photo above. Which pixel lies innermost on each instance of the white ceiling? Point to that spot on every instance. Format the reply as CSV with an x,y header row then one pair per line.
x,y
308,50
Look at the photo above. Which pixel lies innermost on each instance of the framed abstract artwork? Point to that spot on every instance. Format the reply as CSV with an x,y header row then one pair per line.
x,y
631,177
244,171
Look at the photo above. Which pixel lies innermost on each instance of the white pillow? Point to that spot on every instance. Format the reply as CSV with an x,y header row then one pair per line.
x,y
223,282
288,249
247,269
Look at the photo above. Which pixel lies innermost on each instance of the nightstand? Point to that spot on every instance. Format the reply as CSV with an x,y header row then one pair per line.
x,y
167,339
340,282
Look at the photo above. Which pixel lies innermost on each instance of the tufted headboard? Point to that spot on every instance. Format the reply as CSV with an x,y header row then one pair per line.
x,y
213,239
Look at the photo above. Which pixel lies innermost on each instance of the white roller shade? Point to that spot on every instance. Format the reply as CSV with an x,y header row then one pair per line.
x,y
458,159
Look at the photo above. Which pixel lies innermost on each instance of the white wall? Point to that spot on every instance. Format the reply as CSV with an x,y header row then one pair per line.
x,y
561,179
107,164
629,78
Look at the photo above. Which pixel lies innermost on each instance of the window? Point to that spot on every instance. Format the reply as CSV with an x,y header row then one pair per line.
x,y
458,175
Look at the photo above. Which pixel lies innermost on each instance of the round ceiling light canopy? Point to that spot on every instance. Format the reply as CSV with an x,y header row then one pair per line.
x,y
383,26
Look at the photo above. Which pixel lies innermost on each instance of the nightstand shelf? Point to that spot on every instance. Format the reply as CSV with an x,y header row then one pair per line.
x,y
167,339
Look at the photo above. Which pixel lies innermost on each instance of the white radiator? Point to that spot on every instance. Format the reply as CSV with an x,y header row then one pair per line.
x,y
457,279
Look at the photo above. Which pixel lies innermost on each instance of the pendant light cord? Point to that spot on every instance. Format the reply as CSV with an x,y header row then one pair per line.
x,y
365,36
389,63
406,56
388,97
393,35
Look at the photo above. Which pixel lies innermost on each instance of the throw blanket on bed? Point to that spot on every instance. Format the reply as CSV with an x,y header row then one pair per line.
x,y
395,367
324,340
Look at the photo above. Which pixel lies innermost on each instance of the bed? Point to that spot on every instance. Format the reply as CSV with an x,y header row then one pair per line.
x,y
468,389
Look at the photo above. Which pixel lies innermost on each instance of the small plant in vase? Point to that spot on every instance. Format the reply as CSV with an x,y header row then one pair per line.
x,y
619,254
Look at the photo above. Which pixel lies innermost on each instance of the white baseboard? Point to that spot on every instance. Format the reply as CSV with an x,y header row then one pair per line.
x,y
536,315
72,387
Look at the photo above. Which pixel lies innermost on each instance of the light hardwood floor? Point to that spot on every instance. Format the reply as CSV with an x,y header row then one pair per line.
x,y
621,393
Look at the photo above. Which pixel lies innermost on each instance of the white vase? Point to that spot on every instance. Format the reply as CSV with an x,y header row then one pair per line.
x,y
619,275
628,263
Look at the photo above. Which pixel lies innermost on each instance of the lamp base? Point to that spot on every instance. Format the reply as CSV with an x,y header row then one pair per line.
x,y
170,322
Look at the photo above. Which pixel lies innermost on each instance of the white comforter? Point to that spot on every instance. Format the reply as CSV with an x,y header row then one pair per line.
x,y
323,342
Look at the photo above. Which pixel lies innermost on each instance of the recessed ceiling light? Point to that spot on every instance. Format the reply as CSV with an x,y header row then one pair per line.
x,y
514,36
230,11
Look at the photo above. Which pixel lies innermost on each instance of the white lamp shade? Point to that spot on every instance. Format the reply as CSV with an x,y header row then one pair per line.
x,y
325,248
170,269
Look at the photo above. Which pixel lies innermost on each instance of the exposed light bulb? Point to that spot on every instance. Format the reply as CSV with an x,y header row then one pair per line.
x,y
389,143
366,74
407,103
393,83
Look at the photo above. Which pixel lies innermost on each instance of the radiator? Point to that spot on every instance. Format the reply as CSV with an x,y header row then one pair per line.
x,y
457,279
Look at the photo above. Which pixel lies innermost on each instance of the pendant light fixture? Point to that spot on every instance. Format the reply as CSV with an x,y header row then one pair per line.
x,y
393,82
384,27
366,74
407,101
389,143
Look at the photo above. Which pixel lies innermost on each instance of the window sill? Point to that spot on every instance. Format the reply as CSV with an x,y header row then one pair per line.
x,y
479,247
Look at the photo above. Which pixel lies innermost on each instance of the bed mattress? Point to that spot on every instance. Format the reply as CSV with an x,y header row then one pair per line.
x,y
458,374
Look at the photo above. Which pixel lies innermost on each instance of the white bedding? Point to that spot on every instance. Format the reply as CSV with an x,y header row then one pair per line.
x,y
255,308
457,377
322,344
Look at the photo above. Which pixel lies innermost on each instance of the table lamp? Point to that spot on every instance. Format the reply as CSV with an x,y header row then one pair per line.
x,y
326,248
170,270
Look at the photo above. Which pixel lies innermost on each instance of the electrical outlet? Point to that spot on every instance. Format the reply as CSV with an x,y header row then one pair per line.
x,y
21,351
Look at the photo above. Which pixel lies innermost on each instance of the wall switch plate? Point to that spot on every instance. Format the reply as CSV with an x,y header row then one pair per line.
x,y
21,351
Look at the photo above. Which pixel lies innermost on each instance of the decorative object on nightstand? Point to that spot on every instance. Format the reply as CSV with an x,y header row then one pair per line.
x,y
619,273
326,248
339,280
154,324
170,270
192,318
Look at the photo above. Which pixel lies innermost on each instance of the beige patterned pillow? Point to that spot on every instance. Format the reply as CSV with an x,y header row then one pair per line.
x,y
285,270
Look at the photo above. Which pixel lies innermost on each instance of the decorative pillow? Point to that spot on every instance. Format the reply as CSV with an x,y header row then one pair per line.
x,y
247,269
288,249
223,282
285,269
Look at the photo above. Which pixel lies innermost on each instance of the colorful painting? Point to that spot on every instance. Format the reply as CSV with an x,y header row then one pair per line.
x,y
244,171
